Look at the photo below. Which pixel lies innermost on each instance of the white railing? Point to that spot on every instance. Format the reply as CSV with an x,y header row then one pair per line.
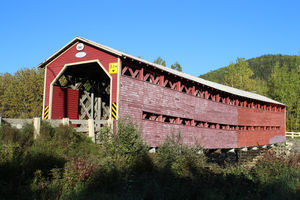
x,y
16,123
89,126
292,134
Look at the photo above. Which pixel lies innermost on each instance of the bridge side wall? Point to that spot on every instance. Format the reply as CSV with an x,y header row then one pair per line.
x,y
137,97
254,117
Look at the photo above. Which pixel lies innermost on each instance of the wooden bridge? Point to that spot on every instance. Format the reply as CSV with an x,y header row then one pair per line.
x,y
88,80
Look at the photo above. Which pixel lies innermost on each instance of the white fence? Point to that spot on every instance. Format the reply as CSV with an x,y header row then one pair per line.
x,y
89,126
292,134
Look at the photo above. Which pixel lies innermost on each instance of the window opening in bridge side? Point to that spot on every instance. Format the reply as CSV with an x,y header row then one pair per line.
x,y
203,124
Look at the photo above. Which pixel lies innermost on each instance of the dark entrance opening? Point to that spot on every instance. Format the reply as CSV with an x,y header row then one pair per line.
x,y
82,91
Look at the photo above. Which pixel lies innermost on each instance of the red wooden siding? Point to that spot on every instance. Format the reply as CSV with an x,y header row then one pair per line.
x,y
135,94
138,96
260,117
68,57
155,133
65,103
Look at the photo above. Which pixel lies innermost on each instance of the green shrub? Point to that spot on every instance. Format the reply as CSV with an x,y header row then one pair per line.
x,y
178,158
124,146
47,132
64,164
23,137
279,175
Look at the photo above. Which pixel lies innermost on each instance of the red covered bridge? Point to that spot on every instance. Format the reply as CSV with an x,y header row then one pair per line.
x,y
87,80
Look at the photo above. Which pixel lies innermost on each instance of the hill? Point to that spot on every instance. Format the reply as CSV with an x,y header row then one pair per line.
x,y
261,66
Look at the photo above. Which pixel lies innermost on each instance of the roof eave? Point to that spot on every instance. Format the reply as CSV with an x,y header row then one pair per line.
x,y
43,64
78,39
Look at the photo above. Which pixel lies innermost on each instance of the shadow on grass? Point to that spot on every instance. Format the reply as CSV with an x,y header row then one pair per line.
x,y
202,183
140,182
18,174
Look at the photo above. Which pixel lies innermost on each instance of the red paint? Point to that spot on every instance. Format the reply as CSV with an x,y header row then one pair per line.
x,y
155,133
68,57
258,117
138,96
65,103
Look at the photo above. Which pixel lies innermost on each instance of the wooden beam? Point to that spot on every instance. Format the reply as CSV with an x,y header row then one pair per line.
x,y
141,74
124,70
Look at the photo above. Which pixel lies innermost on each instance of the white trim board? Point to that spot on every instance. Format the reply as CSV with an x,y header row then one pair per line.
x,y
74,64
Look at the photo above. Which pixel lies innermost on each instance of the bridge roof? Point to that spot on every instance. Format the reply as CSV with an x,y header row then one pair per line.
x,y
211,84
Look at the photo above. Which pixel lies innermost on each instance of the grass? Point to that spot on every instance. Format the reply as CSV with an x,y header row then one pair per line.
x,y
64,164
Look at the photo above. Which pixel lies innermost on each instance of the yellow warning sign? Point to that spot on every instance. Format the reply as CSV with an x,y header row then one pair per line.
x,y
46,112
113,68
114,110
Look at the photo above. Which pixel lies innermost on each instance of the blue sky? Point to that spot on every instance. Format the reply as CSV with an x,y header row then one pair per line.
x,y
200,35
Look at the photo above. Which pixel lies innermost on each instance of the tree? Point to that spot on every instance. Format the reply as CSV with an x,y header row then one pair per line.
x,y
284,87
239,75
176,66
5,80
160,61
21,94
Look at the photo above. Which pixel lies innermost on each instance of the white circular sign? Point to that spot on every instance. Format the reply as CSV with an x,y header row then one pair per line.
x,y
80,47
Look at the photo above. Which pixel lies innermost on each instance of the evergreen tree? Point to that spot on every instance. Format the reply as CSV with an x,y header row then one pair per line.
x,y
239,75
176,66
160,61
284,87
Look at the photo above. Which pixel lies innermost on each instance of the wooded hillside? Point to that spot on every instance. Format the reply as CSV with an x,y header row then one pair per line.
x,y
274,76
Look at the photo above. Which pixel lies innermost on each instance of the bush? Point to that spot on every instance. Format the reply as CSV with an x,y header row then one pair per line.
x,y
23,137
124,146
279,175
31,167
178,158
64,164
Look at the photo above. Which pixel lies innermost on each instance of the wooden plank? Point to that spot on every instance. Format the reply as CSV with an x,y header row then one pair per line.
x,y
54,122
100,121
92,106
17,121
82,129
86,110
87,95
99,109
78,121
292,134
106,111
